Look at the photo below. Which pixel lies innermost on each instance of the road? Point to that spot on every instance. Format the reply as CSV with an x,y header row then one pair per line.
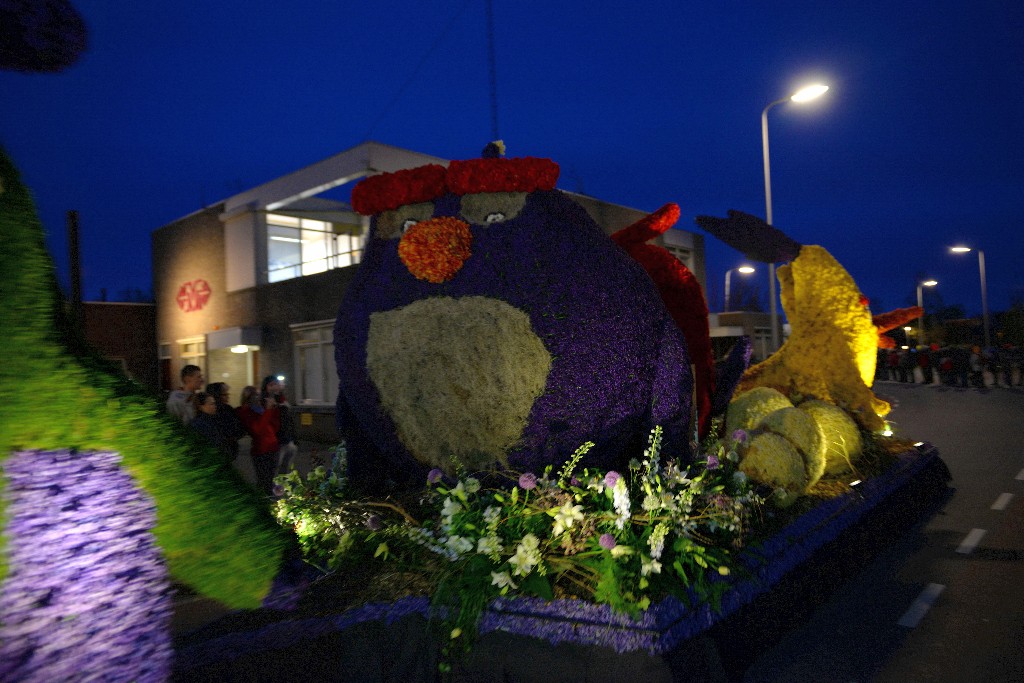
x,y
945,602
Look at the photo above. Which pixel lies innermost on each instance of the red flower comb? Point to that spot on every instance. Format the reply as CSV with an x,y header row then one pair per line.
x,y
490,174
526,174
391,190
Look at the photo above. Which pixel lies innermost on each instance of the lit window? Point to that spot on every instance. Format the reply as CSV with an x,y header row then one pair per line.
x,y
303,246
192,352
284,252
316,377
681,253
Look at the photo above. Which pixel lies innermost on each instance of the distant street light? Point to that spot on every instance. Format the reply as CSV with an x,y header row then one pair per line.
x,y
984,294
920,304
802,95
745,270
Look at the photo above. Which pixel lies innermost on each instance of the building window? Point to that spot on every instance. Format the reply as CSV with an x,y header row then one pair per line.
x,y
191,352
167,382
302,246
682,253
762,343
315,374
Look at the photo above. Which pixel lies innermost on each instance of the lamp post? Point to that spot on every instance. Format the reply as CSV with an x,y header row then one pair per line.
x,y
984,293
745,270
920,304
803,95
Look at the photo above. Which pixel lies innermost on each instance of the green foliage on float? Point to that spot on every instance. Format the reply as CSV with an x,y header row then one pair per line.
x,y
216,535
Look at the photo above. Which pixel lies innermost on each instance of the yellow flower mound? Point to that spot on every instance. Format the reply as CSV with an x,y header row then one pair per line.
x,y
831,352
800,429
771,459
766,414
747,410
842,445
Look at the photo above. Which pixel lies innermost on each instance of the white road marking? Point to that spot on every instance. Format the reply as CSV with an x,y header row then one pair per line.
x,y
971,542
1002,501
924,601
1020,476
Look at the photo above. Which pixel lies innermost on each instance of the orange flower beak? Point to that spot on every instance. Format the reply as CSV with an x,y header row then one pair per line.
x,y
434,250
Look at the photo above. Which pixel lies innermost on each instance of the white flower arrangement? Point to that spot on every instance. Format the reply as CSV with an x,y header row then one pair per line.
x,y
570,533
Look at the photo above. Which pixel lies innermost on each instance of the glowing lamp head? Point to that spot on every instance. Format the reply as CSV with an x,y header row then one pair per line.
x,y
959,250
929,283
746,270
809,93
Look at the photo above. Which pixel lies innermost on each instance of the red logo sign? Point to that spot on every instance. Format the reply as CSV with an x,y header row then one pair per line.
x,y
192,296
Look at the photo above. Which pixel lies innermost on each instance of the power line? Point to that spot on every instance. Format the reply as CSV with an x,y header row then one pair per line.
x,y
419,66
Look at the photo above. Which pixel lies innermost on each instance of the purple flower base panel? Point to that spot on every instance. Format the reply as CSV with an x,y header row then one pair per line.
x,y
657,631
288,633
87,596
290,584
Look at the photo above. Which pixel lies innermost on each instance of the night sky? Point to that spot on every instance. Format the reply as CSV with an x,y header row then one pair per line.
x,y
918,145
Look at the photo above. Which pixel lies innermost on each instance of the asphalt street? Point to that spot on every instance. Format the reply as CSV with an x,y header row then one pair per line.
x,y
945,602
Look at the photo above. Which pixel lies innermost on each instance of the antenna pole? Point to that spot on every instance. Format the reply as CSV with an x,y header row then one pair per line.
x,y
492,62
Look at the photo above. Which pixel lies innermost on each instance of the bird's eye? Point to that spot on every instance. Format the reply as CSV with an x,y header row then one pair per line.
x,y
491,208
393,224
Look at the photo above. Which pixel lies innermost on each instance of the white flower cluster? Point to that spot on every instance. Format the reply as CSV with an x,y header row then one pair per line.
x,y
656,541
490,546
564,517
620,500
674,513
527,556
428,540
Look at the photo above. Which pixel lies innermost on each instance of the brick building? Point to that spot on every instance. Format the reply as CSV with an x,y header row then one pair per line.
x,y
124,333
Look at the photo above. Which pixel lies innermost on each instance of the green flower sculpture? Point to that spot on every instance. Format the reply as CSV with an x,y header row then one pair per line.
x,y
214,533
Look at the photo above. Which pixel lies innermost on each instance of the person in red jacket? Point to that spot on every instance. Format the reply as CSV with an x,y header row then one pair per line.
x,y
262,420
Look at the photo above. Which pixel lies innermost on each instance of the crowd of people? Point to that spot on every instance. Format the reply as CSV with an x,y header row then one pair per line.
x,y
957,366
263,414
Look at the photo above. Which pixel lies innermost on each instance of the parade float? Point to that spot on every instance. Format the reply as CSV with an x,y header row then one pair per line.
x,y
542,464
544,473
543,467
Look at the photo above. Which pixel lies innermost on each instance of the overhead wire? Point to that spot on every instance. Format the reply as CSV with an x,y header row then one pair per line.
x,y
415,72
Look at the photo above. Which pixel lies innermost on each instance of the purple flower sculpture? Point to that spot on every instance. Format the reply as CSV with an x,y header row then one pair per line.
x,y
611,479
713,462
492,324
528,480
607,541
728,372
87,596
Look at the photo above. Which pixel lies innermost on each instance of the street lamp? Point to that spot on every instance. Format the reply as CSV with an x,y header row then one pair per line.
x,y
984,294
802,95
745,270
920,304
